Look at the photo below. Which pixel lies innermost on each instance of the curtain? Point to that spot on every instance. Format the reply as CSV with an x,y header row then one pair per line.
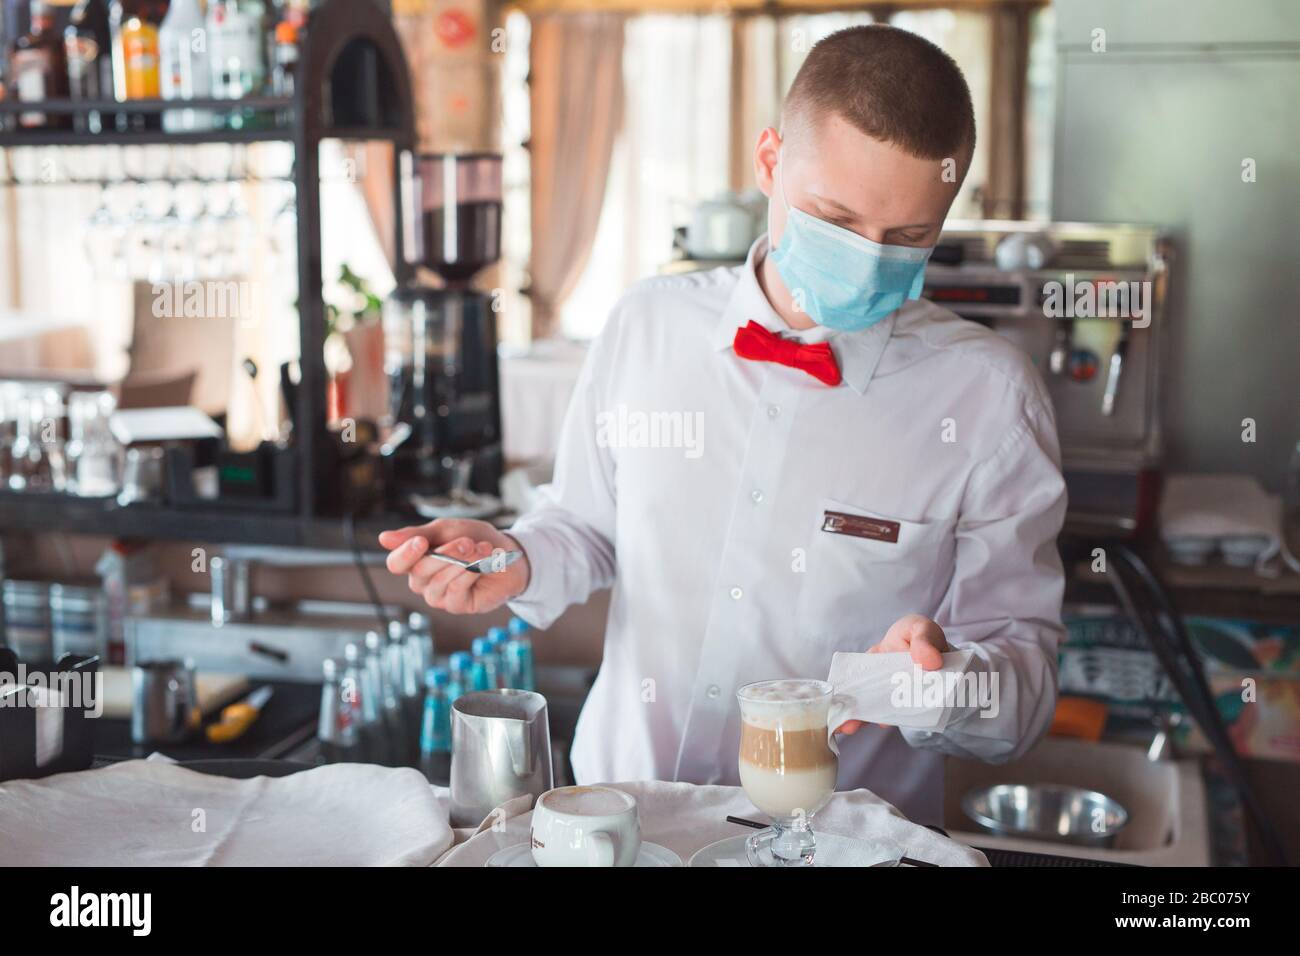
x,y
673,150
576,94
373,163
1004,197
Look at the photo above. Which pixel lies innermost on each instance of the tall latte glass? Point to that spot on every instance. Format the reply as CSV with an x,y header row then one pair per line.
x,y
786,766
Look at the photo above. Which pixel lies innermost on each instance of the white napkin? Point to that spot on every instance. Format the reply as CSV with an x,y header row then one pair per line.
x,y
685,818
838,851
151,813
892,689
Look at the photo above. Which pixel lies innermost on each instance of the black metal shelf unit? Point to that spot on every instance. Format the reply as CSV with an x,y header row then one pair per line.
x,y
352,84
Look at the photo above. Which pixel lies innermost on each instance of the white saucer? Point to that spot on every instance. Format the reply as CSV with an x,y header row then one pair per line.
x,y
652,854
470,505
731,852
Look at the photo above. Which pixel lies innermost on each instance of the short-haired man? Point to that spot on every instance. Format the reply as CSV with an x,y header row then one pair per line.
x,y
871,473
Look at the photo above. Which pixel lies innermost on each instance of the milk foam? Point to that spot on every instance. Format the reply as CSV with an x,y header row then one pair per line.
x,y
587,801
797,704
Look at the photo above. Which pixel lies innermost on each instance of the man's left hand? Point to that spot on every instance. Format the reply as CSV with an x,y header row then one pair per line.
x,y
917,635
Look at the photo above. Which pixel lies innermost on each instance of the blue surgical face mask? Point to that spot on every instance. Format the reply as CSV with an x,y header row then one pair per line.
x,y
840,279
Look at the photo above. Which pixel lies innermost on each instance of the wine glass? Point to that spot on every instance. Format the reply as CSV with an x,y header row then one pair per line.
x,y
787,767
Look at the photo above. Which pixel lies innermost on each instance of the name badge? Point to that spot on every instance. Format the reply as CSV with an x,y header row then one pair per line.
x,y
859,526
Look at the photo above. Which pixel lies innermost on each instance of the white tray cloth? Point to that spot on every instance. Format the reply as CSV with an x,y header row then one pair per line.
x,y
685,818
143,813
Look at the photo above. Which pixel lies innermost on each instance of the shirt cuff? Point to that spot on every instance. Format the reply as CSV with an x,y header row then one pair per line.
x,y
530,604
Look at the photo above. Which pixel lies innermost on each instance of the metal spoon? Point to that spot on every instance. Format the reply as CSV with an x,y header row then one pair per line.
x,y
494,563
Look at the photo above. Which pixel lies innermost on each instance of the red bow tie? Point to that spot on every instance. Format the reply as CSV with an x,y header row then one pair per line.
x,y
757,343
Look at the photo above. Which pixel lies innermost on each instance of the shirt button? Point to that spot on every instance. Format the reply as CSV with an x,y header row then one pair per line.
x,y
756,495
737,594
714,690
773,411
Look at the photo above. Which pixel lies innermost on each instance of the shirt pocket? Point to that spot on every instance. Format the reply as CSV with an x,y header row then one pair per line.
x,y
855,587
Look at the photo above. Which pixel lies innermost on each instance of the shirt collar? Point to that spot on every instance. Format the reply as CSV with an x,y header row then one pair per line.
x,y
858,353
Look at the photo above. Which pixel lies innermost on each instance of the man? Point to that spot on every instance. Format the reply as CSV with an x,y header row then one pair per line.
x,y
855,468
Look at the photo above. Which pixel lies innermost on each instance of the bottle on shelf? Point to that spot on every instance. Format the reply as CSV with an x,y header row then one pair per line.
x,y
284,63
337,729
496,639
456,684
186,70
479,676
419,643
88,46
360,689
517,664
238,59
517,656
485,655
406,688
461,665
417,658
38,69
435,732
137,73
435,727
388,706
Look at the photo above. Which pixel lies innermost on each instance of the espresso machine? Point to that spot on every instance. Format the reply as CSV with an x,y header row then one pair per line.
x,y
443,435
1087,302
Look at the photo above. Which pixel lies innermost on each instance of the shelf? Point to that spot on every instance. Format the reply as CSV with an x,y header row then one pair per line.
x,y
104,517
68,137
261,104
353,73
273,127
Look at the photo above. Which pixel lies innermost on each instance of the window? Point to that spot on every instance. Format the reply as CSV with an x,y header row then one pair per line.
x,y
673,152
1040,113
516,238
966,36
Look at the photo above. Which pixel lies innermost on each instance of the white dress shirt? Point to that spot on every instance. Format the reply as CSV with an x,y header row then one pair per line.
x,y
695,483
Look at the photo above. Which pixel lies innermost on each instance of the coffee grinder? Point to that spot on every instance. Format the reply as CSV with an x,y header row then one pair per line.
x,y
444,439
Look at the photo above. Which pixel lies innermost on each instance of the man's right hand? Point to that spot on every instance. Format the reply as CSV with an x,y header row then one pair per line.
x,y
446,586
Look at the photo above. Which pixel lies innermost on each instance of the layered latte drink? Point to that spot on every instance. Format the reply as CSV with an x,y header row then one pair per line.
x,y
786,766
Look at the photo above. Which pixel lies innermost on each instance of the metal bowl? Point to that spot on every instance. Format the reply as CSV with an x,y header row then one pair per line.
x,y
1046,811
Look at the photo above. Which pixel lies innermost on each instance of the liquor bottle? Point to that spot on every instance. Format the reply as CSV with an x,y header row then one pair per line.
x,y
235,41
15,21
38,69
136,69
88,45
186,70
284,62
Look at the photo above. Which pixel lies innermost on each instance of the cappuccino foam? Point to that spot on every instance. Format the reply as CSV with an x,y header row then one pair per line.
x,y
790,705
587,801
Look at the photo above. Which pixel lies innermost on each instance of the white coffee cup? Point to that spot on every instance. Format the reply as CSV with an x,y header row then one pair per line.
x,y
585,826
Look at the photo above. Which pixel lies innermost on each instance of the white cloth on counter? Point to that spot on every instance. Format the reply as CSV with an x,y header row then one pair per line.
x,y
536,387
1221,507
152,813
698,484
892,689
686,818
